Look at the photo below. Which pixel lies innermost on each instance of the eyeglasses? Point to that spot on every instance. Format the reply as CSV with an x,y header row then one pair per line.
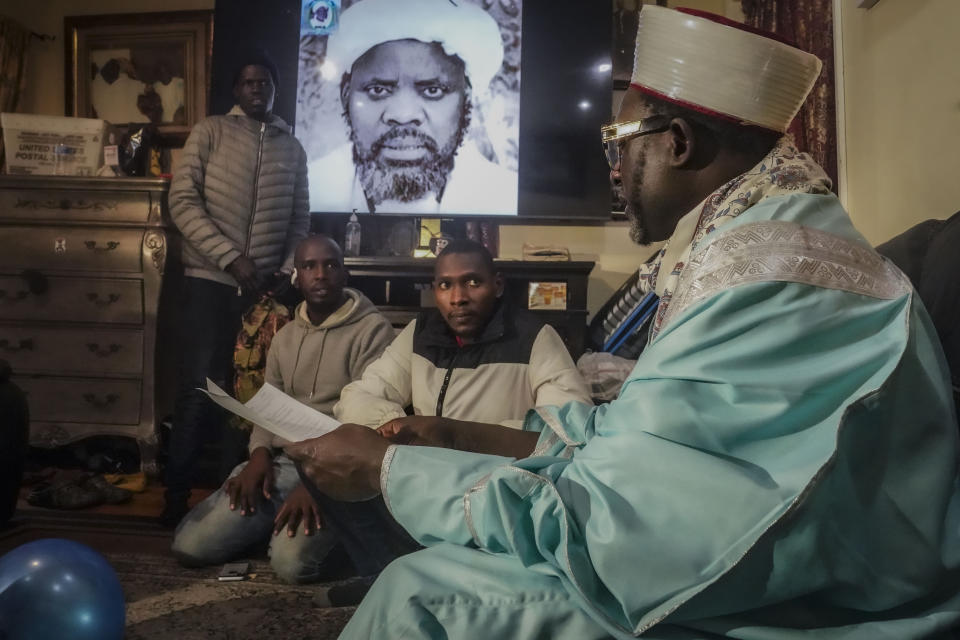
x,y
616,135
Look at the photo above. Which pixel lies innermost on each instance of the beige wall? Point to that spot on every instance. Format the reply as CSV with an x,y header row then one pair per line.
x,y
45,91
901,96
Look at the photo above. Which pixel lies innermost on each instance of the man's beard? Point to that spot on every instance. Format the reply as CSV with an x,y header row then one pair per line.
x,y
638,227
639,232
404,180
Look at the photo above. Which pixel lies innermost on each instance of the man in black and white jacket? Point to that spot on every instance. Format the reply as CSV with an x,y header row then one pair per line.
x,y
473,357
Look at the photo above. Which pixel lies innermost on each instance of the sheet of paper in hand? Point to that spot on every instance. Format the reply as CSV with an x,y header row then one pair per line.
x,y
276,412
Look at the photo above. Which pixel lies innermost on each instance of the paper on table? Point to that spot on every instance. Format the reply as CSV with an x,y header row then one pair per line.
x,y
276,412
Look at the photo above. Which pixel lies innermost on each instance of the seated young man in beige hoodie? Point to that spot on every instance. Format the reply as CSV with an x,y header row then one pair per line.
x,y
335,334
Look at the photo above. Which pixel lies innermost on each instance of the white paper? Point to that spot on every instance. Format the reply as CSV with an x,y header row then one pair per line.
x,y
276,412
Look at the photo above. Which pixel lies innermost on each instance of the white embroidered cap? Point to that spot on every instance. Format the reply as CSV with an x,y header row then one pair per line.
x,y
463,29
720,67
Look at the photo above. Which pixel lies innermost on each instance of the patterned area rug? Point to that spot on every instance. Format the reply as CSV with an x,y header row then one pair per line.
x,y
165,600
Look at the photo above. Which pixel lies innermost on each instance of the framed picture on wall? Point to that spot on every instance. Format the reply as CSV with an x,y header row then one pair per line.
x,y
140,67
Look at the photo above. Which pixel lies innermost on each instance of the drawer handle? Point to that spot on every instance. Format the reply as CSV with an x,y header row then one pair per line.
x,y
26,344
16,297
106,302
110,246
102,352
108,400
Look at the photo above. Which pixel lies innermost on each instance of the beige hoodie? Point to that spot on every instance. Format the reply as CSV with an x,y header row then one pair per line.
x,y
312,363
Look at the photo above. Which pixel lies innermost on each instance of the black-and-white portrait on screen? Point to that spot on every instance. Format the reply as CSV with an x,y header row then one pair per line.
x,y
410,105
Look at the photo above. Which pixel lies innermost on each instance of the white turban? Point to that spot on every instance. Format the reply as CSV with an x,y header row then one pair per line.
x,y
712,65
461,28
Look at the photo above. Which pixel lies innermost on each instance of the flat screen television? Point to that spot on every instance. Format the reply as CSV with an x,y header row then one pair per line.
x,y
534,104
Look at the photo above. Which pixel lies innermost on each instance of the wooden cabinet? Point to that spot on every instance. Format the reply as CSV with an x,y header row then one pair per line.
x,y
398,285
82,262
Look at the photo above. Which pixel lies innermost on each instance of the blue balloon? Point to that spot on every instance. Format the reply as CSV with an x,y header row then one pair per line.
x,y
54,589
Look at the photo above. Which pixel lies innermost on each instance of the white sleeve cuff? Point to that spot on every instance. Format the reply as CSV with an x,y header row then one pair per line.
x,y
385,472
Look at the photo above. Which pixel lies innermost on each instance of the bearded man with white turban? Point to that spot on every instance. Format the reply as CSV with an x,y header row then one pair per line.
x,y
780,464
410,71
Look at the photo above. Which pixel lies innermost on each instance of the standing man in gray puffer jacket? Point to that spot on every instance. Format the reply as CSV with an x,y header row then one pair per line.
x,y
239,197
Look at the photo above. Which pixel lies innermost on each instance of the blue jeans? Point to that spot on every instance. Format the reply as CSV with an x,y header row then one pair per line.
x,y
367,531
213,534
210,317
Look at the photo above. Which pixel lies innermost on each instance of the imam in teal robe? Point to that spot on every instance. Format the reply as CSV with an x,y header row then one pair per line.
x,y
781,463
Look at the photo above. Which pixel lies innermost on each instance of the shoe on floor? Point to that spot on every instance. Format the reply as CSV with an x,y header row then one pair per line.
x,y
350,593
110,493
67,495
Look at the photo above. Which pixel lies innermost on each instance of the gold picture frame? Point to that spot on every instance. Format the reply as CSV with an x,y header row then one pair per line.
x,y
140,67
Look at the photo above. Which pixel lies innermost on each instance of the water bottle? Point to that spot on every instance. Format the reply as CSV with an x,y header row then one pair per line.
x,y
351,245
61,159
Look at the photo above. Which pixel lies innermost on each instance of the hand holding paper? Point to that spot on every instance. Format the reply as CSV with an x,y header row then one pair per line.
x,y
343,460
345,463
276,412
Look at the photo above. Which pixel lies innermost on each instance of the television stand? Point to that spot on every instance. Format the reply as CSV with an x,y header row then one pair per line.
x,y
400,287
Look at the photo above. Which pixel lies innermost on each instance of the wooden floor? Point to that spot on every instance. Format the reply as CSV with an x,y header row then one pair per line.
x,y
130,527
147,504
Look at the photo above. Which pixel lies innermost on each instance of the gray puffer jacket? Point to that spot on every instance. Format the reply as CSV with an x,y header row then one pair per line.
x,y
240,188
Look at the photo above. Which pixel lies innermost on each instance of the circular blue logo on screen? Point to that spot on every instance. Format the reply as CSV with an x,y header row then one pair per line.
x,y
321,16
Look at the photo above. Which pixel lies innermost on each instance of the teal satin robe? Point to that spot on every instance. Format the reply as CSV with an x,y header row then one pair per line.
x,y
781,463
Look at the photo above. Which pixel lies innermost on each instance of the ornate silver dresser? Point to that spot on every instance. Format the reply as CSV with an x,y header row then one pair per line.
x,y
81,268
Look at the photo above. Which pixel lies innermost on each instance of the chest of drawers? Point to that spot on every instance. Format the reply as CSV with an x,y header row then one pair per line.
x,y
82,264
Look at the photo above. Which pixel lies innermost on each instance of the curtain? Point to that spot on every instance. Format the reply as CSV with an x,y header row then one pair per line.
x,y
14,40
809,25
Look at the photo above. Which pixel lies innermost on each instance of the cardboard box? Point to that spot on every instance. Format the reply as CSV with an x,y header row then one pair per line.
x,y
30,141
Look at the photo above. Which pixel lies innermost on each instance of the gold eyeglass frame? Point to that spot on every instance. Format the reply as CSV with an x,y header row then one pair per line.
x,y
614,135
